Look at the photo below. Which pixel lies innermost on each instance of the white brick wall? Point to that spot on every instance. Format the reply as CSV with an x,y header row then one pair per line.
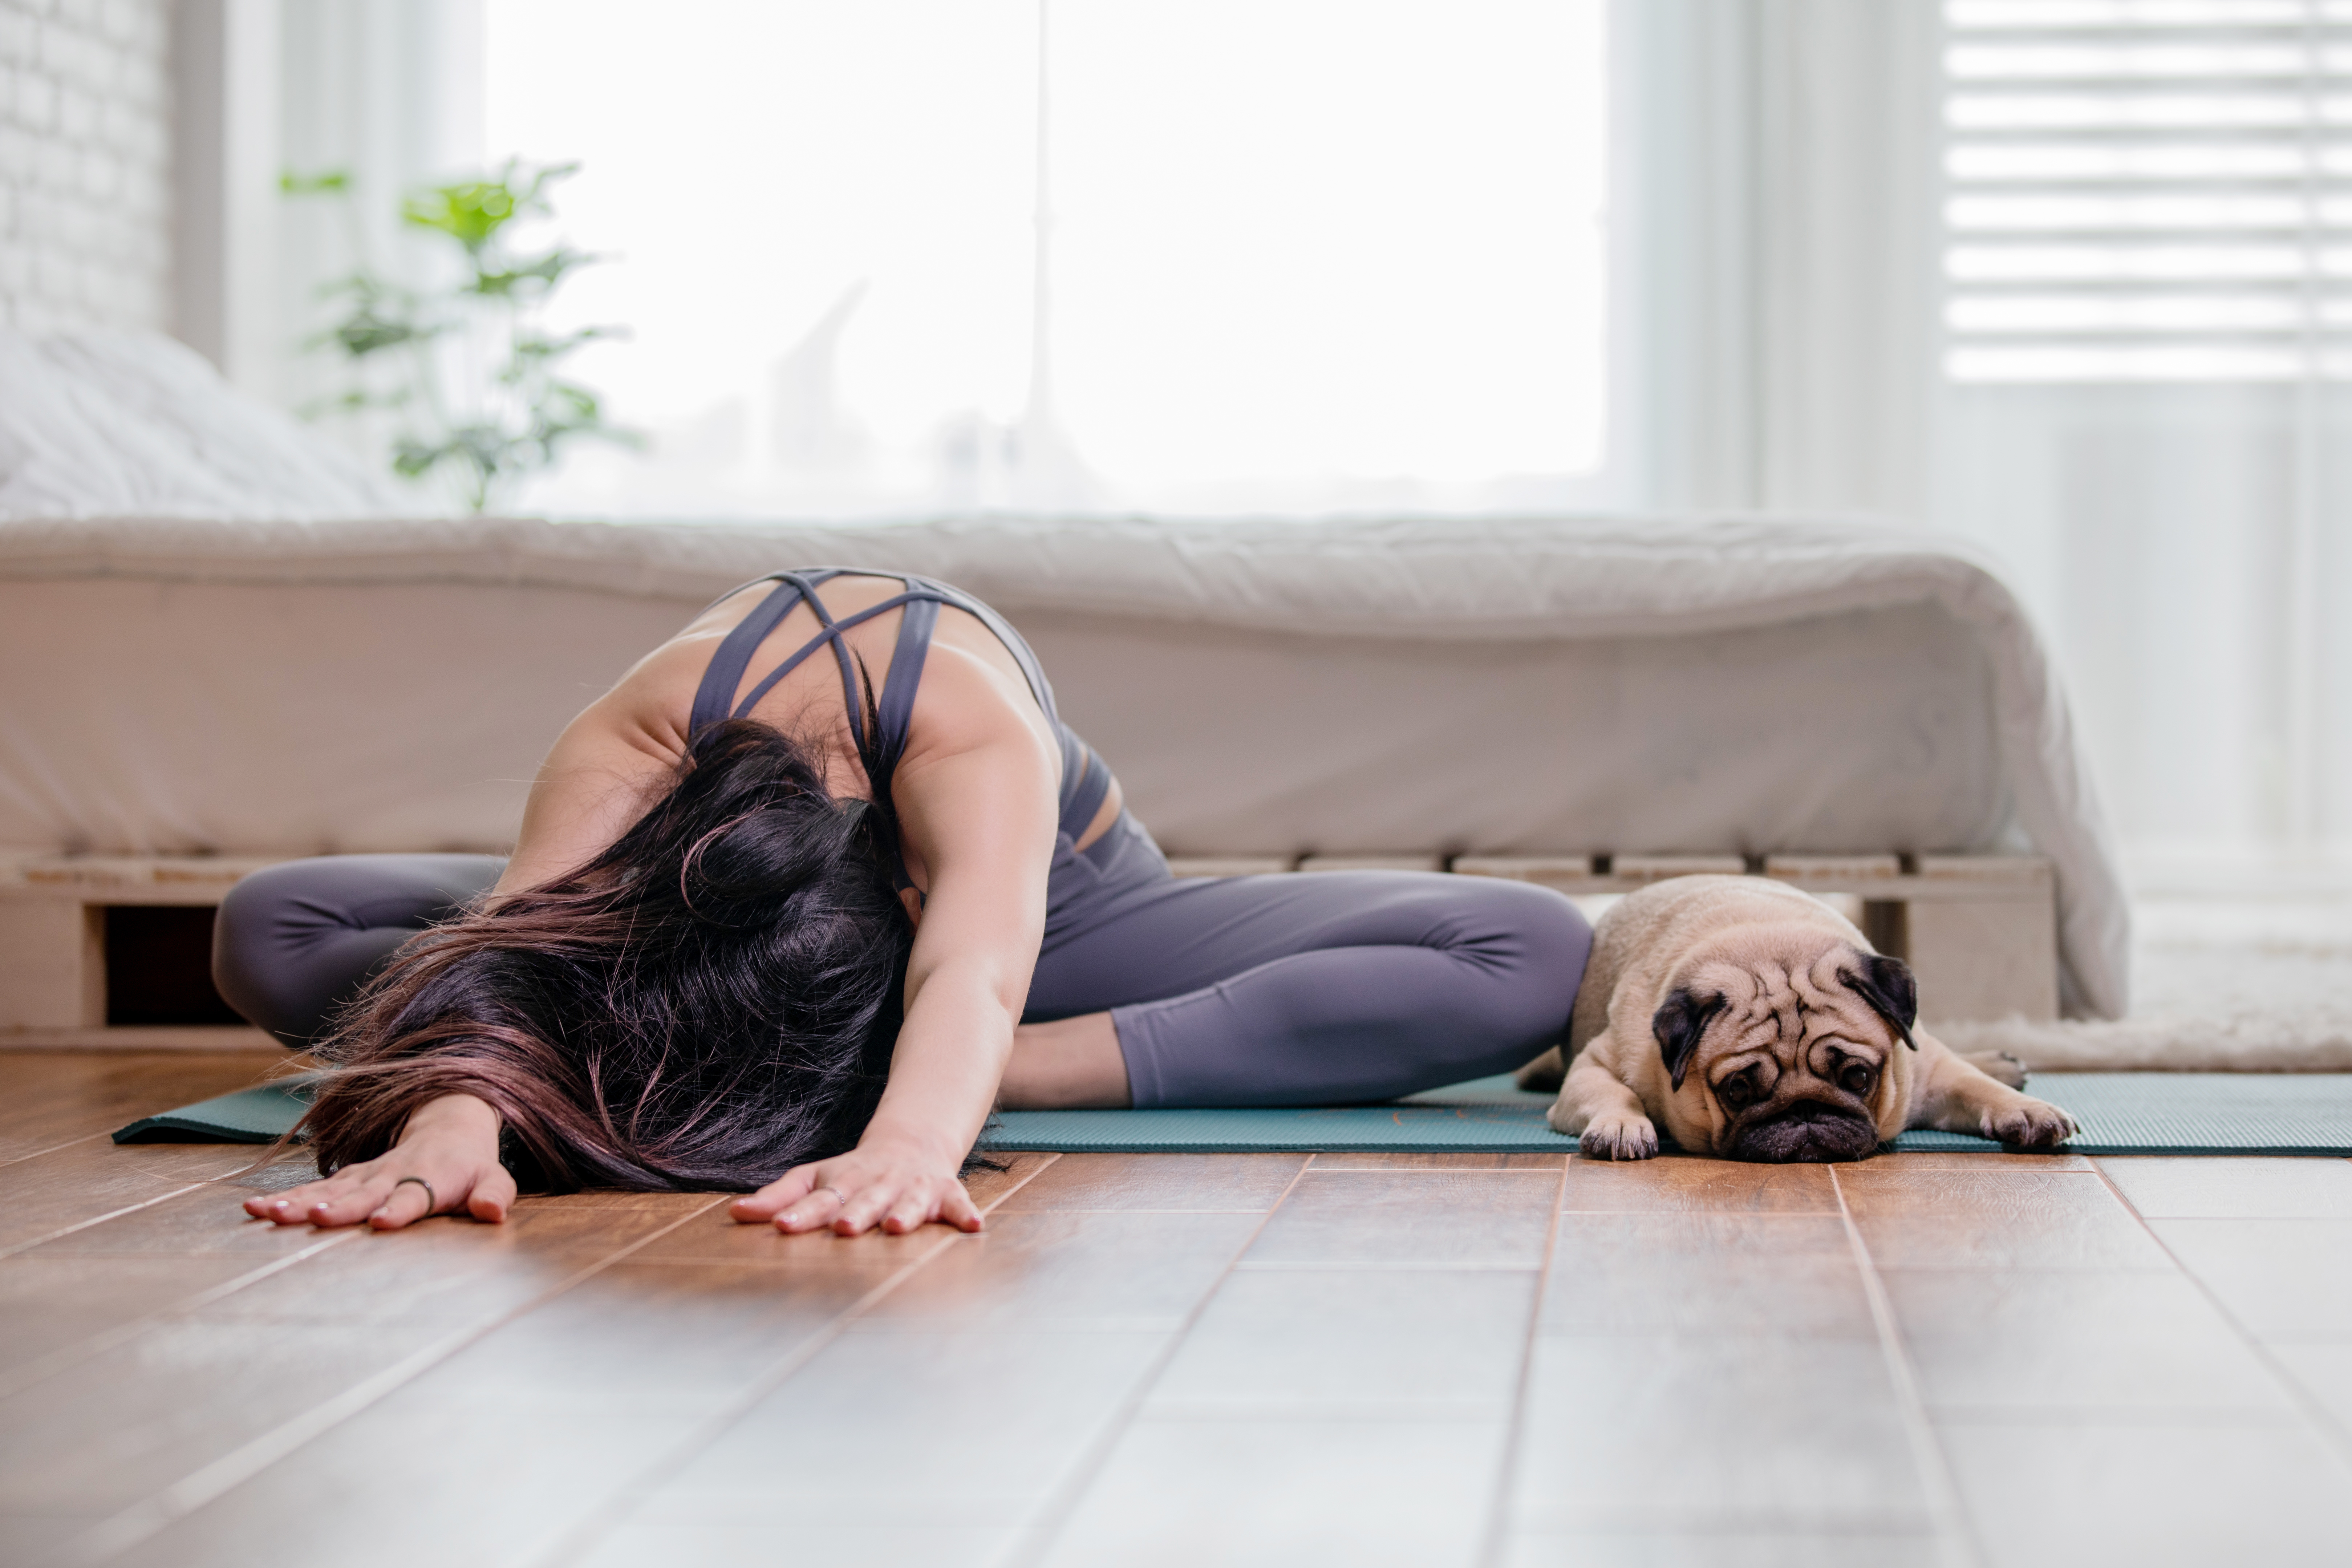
x,y
85,164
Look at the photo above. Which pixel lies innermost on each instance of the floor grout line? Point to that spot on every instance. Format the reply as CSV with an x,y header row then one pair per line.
x,y
47,1366
1498,1518
144,1520
1954,1535
578,1538
1036,1537
2314,1411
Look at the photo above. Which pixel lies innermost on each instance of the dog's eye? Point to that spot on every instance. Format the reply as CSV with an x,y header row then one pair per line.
x,y
1856,1078
1738,1091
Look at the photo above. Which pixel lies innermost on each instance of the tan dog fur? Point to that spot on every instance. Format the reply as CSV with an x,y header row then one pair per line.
x,y
1796,1029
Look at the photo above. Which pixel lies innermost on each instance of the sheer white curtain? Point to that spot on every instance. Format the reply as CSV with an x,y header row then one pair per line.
x,y
2070,277
1774,161
2149,286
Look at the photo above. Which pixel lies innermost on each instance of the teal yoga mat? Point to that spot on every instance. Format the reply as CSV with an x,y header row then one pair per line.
x,y
2121,1114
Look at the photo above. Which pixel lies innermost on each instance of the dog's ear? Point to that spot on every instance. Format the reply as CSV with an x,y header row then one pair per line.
x,y
1886,984
1678,1022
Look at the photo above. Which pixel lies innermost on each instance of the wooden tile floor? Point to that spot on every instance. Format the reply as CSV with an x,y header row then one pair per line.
x,y
1178,1360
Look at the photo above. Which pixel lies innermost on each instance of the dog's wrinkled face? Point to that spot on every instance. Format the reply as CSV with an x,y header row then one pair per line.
x,y
1791,1051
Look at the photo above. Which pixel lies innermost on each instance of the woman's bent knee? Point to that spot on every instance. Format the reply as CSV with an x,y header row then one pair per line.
x,y
293,942
1535,942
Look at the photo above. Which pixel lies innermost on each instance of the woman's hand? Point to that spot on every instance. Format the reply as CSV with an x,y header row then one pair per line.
x,y
446,1160
897,1188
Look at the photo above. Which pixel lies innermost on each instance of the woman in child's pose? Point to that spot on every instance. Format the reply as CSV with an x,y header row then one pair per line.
x,y
797,924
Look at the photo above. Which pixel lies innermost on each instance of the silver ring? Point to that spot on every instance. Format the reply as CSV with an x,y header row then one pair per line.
x,y
431,1203
836,1192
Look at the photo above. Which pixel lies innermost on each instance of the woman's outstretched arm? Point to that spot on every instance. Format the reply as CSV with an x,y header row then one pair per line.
x,y
976,808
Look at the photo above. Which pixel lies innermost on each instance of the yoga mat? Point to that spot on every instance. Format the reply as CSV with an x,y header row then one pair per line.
x,y
2121,1114
258,1115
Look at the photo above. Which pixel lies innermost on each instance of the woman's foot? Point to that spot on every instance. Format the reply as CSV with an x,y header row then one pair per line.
x,y
446,1160
1070,1064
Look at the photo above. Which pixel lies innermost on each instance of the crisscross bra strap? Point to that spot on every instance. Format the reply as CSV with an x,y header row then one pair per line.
x,y
1084,780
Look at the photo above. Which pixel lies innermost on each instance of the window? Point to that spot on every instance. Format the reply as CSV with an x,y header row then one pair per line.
x,y
947,254
2148,190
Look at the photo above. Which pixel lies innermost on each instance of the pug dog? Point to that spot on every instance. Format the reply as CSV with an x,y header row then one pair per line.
x,y
1753,1022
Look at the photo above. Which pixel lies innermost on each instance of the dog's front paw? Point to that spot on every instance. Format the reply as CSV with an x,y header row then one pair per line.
x,y
2030,1124
1620,1137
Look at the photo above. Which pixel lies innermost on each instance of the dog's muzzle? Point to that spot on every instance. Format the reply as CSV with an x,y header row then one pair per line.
x,y
1807,1131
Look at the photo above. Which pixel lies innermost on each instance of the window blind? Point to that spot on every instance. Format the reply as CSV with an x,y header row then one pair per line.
x,y
2147,190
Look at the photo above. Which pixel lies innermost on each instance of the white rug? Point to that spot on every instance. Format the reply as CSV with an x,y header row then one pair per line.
x,y
2218,984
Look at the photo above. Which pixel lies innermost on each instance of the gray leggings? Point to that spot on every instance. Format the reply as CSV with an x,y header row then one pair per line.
x,y
1285,990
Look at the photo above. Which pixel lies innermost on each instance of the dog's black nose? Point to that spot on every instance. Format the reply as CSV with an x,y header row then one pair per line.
x,y
1805,1131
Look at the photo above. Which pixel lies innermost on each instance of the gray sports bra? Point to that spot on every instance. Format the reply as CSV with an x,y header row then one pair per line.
x,y
1084,780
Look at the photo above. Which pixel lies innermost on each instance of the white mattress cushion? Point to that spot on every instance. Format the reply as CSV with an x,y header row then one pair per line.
x,y
1507,686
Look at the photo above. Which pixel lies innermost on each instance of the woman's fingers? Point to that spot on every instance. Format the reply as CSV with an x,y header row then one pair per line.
x,y
913,1209
771,1201
406,1203
958,1209
391,1194
296,1205
493,1195
813,1210
350,1203
864,1208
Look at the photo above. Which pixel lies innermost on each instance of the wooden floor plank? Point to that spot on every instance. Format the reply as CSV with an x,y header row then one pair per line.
x,y
2279,1279
2030,1342
48,1196
2069,1493
1183,1184
1743,1274
1752,1434
2322,1371
1709,1380
50,1098
1449,1160
2058,1352
991,1416
1334,1343
103,1435
537,1425
1680,1184
1655,1548
810,1539
1143,1272
1275,1494
1410,1218
54,1310
2209,1187
545,1422
1955,1217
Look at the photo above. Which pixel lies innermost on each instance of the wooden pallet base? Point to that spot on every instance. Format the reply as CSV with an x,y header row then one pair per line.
x,y
1980,931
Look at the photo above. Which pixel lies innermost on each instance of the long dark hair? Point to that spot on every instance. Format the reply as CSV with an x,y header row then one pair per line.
x,y
708,1002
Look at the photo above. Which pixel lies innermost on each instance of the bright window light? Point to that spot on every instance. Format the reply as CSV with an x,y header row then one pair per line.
x,y
1299,255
